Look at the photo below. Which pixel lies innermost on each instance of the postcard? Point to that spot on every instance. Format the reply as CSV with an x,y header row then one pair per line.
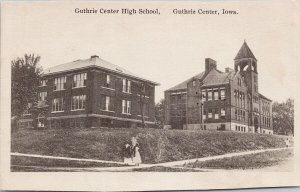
x,y
150,95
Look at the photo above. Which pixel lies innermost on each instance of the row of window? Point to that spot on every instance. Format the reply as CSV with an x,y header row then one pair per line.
x,y
240,128
239,98
178,97
265,108
266,121
80,80
42,96
213,113
213,94
79,102
240,115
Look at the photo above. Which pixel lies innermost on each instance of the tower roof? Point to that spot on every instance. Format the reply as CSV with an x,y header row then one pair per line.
x,y
244,52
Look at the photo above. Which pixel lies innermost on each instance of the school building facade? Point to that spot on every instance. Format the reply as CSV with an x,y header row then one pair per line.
x,y
216,100
91,93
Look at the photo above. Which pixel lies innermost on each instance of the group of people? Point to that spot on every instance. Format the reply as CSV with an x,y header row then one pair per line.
x,y
131,153
287,142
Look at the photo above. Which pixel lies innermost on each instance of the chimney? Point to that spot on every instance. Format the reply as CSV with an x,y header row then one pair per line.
x,y
94,57
228,69
209,64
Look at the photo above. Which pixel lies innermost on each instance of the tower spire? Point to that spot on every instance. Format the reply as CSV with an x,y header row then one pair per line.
x,y
244,52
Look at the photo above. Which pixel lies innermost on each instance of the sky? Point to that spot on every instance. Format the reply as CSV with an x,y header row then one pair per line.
x,y
166,48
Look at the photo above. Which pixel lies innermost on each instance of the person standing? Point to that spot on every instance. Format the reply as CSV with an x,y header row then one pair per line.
x,y
127,154
287,142
136,157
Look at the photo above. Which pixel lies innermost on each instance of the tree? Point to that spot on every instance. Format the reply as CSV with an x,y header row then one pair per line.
x,y
25,76
283,117
160,113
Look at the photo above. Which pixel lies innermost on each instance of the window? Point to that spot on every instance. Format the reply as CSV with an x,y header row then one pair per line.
x,y
204,114
244,101
194,83
28,107
210,113
126,86
42,96
241,100
146,110
107,81
79,80
203,95
239,82
58,104
59,83
222,113
78,102
184,97
107,101
216,113
235,112
43,82
126,105
209,95
216,95
222,94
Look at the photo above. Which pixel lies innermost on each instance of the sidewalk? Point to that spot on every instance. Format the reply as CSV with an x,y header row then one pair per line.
x,y
65,158
141,166
182,162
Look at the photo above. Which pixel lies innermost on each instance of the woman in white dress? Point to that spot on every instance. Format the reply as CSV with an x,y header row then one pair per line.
x,y
136,157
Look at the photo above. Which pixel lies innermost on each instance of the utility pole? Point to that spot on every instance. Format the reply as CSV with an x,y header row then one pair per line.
x,y
230,100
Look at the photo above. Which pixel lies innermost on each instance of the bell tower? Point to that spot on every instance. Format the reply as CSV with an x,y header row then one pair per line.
x,y
246,63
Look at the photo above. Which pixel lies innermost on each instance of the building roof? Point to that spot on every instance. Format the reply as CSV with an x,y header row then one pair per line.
x,y
94,61
262,96
244,52
216,77
183,85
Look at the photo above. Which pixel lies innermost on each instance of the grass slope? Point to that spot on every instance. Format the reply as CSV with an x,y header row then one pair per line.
x,y
36,161
156,145
253,161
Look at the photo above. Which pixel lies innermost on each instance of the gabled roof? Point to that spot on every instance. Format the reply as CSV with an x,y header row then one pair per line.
x,y
216,77
244,52
92,62
262,96
183,85
213,77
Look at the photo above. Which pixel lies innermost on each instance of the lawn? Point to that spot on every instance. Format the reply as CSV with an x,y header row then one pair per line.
x,y
36,161
253,161
156,145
